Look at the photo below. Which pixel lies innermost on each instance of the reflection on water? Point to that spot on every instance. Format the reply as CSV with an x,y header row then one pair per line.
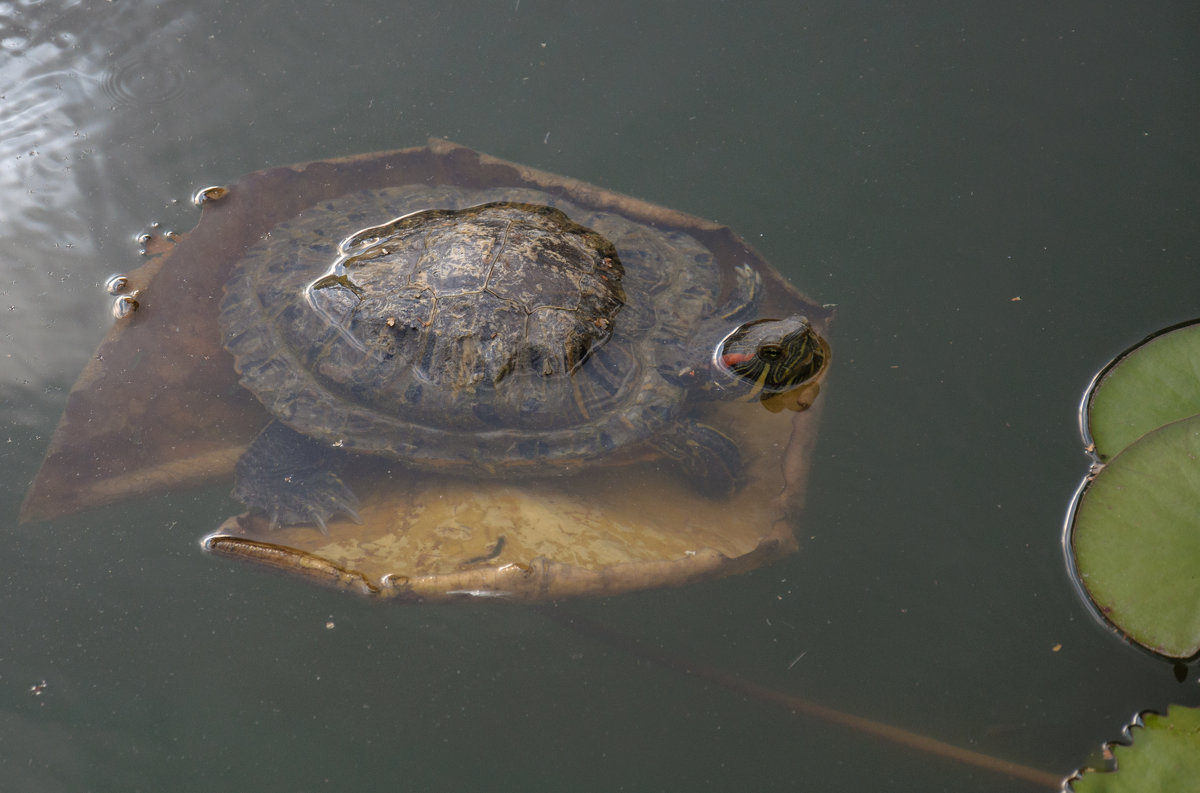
x,y
75,79
920,169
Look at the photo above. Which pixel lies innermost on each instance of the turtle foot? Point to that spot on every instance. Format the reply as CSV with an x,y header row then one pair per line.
x,y
304,500
710,458
287,477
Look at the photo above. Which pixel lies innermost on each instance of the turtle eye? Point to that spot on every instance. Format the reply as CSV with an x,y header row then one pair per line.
x,y
770,352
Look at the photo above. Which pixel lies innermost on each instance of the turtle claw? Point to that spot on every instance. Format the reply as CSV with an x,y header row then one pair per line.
x,y
350,512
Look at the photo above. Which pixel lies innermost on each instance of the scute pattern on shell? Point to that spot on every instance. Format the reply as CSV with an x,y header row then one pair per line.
x,y
459,308
506,337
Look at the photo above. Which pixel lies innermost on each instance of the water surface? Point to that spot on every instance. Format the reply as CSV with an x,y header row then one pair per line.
x,y
998,200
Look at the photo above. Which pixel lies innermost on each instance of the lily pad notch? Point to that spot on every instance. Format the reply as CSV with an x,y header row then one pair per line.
x,y
1132,538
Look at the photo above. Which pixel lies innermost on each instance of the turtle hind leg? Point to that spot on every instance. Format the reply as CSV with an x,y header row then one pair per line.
x,y
288,478
709,458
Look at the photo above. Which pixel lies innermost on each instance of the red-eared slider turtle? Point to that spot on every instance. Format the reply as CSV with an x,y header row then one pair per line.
x,y
499,332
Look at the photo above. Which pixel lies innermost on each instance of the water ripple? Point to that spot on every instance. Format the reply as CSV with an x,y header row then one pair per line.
x,y
143,80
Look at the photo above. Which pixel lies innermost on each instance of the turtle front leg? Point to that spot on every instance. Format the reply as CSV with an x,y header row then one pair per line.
x,y
288,478
745,297
710,458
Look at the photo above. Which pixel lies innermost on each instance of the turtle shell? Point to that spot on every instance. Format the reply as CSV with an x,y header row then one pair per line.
x,y
488,330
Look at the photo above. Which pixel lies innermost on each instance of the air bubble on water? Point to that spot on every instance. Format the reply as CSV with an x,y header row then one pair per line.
x,y
207,195
124,306
116,284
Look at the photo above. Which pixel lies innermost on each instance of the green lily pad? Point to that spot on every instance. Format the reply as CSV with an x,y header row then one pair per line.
x,y
1136,539
1150,385
1164,755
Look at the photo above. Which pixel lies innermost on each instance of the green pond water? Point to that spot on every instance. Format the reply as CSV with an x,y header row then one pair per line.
x,y
998,199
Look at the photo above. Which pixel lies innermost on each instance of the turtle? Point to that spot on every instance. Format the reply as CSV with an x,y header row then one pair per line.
x,y
501,332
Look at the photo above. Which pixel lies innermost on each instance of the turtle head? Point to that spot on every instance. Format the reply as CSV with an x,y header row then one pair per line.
x,y
771,359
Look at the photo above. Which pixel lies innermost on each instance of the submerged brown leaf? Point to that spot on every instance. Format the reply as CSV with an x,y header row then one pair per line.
x,y
159,407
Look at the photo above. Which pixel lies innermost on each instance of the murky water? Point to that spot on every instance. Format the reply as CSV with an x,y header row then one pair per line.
x,y
997,200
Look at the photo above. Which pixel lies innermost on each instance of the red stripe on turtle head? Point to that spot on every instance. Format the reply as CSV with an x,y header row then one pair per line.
x,y
731,359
